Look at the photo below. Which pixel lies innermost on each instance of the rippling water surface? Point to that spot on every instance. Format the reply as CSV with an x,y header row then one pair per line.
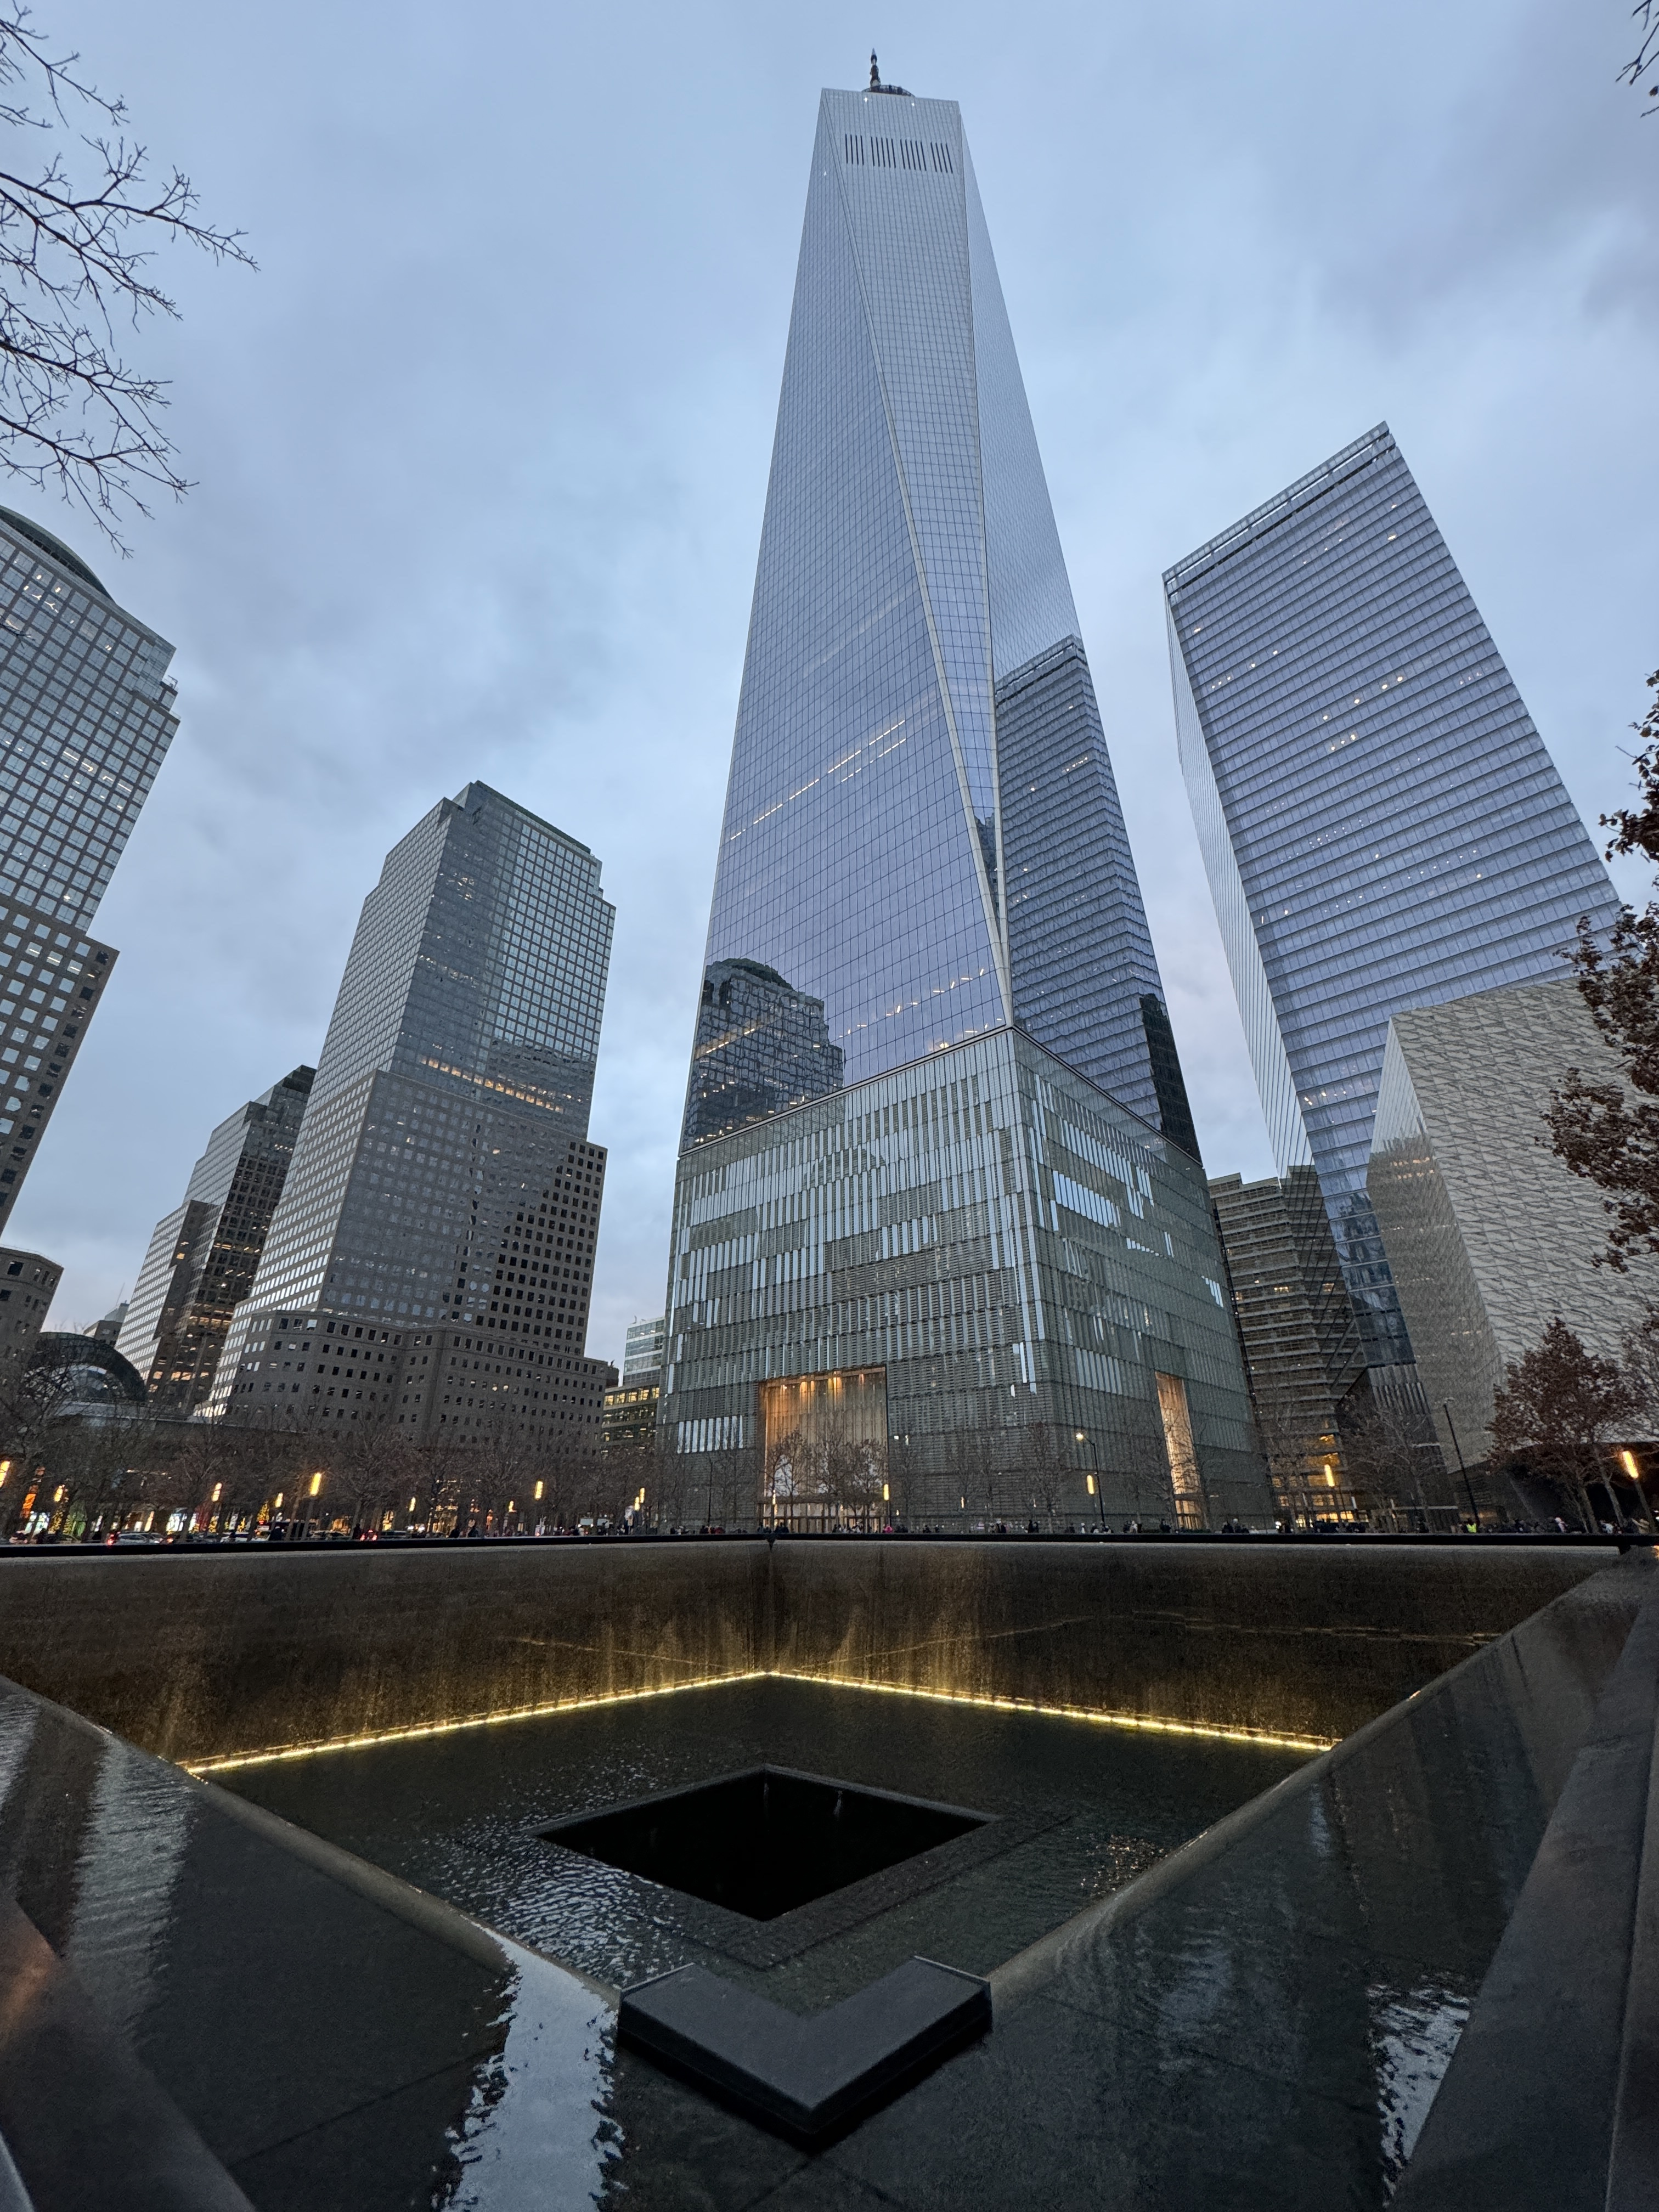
x,y
458,1814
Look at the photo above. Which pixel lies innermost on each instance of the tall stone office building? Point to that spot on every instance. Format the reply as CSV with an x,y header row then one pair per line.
x,y
938,1211
203,1256
86,718
1381,826
431,1264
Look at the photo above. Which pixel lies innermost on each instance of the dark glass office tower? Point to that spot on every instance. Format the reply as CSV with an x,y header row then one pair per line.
x,y
86,718
442,1206
1381,822
203,1256
926,922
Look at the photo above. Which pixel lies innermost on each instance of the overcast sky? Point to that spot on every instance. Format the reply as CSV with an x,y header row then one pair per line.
x,y
481,454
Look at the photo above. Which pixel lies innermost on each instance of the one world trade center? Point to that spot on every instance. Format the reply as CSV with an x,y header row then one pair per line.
x,y
940,1232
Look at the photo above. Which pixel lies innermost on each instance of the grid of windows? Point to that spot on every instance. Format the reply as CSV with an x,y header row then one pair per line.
x,y
910,569
204,1256
442,1173
1015,1250
1381,824
85,721
923,881
28,1285
50,982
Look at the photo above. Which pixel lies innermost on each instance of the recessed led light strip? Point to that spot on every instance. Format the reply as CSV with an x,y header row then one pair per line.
x,y
452,1727
1270,1738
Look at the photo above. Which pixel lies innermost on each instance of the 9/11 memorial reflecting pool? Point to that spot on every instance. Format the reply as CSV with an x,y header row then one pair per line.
x,y
1072,1810
1060,1961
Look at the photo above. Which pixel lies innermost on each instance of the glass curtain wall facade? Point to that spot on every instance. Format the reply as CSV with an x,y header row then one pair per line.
x,y
203,1256
1381,826
86,718
924,891
1030,1270
1301,1339
430,1267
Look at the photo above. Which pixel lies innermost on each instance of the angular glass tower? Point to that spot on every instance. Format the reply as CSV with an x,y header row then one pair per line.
x,y
1381,826
203,1255
86,718
924,884
441,1212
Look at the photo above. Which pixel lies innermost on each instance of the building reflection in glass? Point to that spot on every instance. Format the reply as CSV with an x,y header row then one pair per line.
x,y
761,1046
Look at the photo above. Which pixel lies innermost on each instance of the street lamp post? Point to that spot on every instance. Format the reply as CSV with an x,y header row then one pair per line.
x,y
1461,1469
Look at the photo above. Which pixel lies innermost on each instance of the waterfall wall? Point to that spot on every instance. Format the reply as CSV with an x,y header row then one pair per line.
x,y
205,1655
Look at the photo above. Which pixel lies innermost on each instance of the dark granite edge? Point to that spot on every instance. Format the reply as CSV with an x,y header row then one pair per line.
x,y
808,2079
432,1915
1533,2104
444,1923
1032,1969
84,2121
763,1944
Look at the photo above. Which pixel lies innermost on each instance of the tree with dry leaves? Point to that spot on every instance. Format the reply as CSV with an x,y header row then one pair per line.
x,y
1559,1407
81,215
1604,1122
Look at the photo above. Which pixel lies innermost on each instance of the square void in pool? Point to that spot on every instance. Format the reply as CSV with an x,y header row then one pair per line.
x,y
765,1841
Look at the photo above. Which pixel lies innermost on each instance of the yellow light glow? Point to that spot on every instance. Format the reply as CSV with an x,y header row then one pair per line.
x,y
1628,1458
278,1507
453,1727
538,1490
316,1483
217,1489
886,1495
1089,1479
1273,1741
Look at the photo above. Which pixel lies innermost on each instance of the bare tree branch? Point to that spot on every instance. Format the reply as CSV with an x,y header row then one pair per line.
x,y
74,263
1645,61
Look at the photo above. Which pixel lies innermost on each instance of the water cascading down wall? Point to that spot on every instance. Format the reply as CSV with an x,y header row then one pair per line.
x,y
206,1656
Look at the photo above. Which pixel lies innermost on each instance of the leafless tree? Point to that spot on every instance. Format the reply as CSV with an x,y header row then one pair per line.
x,y
80,218
1645,61
1041,1474
1382,1459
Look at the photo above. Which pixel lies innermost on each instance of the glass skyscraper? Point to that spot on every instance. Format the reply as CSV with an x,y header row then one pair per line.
x,y
1381,826
86,718
429,1265
927,932
203,1256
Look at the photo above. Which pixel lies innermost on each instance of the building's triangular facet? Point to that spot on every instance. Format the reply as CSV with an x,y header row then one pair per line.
x,y
937,1177
921,831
